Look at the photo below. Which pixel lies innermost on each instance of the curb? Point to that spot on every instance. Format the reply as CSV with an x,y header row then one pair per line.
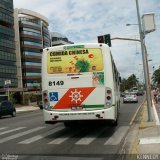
x,y
133,137
135,140
26,109
145,124
130,141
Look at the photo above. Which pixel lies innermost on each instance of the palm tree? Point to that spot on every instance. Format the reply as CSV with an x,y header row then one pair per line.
x,y
156,77
132,81
128,83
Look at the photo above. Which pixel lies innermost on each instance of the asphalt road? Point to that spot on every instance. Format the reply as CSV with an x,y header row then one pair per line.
x,y
27,137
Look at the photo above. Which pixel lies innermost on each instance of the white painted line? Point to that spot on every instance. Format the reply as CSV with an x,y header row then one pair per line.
x,y
117,136
63,138
38,137
2,140
3,128
89,138
155,114
150,140
12,130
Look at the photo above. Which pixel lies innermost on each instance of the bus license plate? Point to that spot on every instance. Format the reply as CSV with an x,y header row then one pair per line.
x,y
75,107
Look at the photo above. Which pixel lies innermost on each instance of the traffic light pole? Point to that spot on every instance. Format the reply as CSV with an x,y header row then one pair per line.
x,y
146,72
145,62
127,39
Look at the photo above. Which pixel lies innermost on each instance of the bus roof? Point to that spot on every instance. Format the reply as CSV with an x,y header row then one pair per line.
x,y
77,45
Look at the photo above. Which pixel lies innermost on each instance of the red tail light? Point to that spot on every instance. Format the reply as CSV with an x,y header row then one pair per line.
x,y
108,91
46,100
46,103
108,97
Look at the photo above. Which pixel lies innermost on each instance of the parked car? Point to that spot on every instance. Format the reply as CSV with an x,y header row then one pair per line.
x,y
130,97
122,94
135,92
140,93
7,108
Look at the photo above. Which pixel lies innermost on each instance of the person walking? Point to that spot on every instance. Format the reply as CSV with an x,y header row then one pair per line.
x,y
155,94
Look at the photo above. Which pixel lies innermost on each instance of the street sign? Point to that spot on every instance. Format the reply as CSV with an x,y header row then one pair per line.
x,y
7,82
148,23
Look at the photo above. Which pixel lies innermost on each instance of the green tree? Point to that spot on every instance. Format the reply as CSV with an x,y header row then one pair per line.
x,y
123,85
132,81
156,77
128,83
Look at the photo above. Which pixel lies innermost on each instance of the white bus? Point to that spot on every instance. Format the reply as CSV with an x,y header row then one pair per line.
x,y
80,82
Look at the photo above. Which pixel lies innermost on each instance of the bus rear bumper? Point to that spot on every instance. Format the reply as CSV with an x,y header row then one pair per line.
x,y
104,114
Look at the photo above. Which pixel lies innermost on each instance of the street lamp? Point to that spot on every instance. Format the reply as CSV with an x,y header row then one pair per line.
x,y
145,63
130,24
153,68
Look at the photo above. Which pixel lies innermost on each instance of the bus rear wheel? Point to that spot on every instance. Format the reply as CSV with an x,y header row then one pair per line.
x,y
114,122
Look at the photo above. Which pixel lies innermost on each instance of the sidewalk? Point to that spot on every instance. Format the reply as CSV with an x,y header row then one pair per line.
x,y
24,108
144,137
149,133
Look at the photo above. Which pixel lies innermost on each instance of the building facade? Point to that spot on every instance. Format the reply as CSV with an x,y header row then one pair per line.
x,y
59,39
8,69
31,36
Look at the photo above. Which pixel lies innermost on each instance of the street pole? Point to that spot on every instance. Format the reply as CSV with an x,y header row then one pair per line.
x,y
144,58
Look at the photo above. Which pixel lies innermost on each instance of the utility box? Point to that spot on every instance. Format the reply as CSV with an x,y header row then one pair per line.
x,y
148,23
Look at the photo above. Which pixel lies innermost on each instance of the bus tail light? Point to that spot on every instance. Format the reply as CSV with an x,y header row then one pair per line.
x,y
46,100
108,97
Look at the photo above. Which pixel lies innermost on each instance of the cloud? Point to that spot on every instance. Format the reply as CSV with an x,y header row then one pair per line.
x,y
84,20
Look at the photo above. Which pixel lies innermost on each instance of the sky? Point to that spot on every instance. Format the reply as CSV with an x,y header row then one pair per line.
x,y
84,20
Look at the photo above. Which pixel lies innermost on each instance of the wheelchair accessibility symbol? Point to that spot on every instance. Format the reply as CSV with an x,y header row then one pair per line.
x,y
53,96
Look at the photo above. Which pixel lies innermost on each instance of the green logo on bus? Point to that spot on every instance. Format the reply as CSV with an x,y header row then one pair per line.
x,y
73,47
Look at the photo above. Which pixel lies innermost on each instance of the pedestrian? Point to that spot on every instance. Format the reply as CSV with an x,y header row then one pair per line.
x,y
155,94
157,91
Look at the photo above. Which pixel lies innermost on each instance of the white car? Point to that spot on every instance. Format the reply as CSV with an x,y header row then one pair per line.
x,y
130,97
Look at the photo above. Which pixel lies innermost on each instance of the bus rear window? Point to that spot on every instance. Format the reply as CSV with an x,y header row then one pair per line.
x,y
75,61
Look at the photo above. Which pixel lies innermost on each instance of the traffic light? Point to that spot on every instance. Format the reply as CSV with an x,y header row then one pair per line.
x,y
107,39
100,39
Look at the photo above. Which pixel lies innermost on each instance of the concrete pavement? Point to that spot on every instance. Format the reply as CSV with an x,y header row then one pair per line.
x,y
143,140
24,108
149,133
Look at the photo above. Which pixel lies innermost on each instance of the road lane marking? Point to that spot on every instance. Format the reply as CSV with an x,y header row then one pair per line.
x,y
2,140
150,140
12,130
38,137
90,137
63,138
117,136
3,128
155,114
